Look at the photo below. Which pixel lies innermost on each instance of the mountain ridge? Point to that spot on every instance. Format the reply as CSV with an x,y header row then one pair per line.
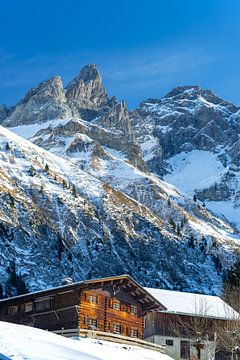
x,y
97,172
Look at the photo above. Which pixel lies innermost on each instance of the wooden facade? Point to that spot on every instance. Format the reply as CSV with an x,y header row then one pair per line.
x,y
115,305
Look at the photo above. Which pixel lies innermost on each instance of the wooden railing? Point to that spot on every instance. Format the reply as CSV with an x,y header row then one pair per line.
x,y
111,337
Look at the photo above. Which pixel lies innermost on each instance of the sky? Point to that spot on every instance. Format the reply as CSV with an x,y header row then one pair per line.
x,y
143,48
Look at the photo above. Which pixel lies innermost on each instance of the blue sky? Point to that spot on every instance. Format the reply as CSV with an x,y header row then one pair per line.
x,y
142,48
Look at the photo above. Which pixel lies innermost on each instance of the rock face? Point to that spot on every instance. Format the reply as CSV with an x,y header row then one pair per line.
x,y
45,102
93,202
59,221
188,119
86,94
4,112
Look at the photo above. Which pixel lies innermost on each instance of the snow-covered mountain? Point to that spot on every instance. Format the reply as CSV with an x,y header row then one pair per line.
x,y
83,195
199,137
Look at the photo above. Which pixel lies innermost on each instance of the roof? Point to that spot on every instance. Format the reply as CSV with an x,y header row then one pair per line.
x,y
145,298
183,303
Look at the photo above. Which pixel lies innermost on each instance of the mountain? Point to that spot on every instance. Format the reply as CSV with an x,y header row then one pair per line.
x,y
199,137
84,194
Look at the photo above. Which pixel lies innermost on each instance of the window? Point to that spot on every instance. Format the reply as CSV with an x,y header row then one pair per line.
x,y
116,305
169,342
117,328
92,298
134,309
12,310
28,307
185,350
92,323
42,305
123,307
134,333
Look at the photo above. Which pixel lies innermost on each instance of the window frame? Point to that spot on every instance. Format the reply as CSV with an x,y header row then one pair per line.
x,y
44,307
134,310
28,307
12,310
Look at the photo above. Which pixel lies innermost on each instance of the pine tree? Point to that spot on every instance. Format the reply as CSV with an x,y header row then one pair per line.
x,y
191,243
46,167
194,198
7,147
74,192
178,230
169,202
12,201
16,281
172,222
59,246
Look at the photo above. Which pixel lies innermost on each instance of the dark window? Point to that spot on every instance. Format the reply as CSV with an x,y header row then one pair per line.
x,y
134,309
92,323
12,310
117,328
92,298
43,305
28,307
185,350
134,333
116,305
169,342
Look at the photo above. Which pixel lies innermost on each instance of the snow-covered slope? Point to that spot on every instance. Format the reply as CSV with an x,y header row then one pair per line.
x,y
198,135
20,342
95,204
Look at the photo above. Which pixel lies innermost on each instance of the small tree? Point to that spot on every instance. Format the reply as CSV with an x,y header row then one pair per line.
x,y
74,192
59,246
46,167
178,230
194,198
172,222
12,201
7,147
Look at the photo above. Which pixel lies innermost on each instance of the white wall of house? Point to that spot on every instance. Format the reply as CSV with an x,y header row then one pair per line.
x,y
174,350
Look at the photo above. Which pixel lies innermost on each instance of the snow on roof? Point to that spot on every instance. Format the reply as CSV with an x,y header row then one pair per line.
x,y
194,304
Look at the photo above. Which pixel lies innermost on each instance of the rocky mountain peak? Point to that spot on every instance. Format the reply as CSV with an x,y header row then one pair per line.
x,y
52,87
90,73
86,91
195,92
44,102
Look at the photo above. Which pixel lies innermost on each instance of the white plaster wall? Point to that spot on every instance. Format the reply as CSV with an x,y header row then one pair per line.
x,y
208,353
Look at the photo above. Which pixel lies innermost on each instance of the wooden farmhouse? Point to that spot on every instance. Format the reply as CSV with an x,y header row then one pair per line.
x,y
116,305
191,325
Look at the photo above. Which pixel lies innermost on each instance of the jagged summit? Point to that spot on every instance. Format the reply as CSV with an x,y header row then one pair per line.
x,y
99,207
86,92
88,73
44,102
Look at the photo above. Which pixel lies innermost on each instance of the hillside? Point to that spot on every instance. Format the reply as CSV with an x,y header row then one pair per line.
x,y
83,195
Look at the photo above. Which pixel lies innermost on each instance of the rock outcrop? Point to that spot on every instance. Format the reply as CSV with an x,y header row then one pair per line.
x,y
45,102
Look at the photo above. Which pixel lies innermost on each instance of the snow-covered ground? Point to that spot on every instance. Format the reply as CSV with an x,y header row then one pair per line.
x,y
20,342
28,131
194,170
